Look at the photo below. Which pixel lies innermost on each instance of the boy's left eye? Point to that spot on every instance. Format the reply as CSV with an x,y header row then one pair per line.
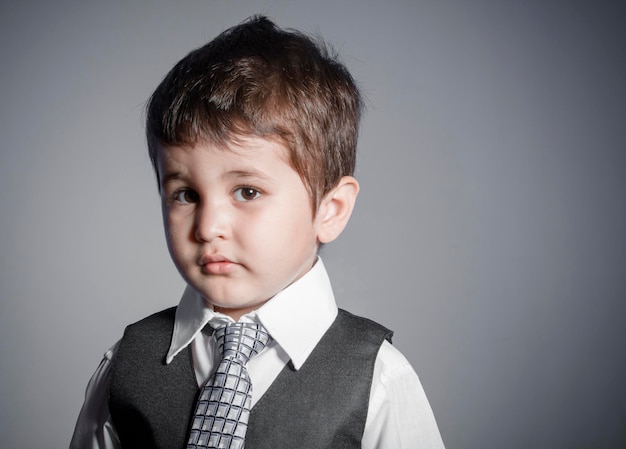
x,y
246,194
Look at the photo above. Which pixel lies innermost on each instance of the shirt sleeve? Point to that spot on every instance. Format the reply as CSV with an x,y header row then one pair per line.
x,y
399,415
94,428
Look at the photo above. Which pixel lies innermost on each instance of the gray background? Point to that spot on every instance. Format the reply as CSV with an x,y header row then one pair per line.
x,y
489,233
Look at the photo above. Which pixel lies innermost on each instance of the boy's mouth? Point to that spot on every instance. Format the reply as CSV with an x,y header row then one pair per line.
x,y
216,264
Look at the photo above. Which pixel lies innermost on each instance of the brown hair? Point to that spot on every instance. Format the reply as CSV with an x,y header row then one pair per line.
x,y
257,79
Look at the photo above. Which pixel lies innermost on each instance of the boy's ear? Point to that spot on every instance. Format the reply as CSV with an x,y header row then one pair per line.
x,y
335,209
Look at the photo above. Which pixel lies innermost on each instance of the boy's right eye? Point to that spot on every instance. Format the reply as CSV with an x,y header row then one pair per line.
x,y
186,196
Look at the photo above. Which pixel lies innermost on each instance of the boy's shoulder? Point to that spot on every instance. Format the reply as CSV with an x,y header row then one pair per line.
x,y
359,326
158,322
161,316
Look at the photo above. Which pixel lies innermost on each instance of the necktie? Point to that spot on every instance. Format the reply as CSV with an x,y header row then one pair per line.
x,y
221,416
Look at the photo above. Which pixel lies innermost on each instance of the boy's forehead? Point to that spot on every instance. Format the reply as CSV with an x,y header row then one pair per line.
x,y
244,147
247,150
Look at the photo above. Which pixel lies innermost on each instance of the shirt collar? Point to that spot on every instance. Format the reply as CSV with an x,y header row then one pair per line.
x,y
296,317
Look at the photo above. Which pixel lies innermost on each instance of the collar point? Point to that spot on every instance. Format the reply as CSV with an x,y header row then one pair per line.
x,y
297,364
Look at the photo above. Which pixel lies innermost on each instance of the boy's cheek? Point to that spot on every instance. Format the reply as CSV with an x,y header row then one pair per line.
x,y
173,229
174,216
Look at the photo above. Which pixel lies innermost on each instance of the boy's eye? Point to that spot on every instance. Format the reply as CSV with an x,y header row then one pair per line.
x,y
246,194
186,196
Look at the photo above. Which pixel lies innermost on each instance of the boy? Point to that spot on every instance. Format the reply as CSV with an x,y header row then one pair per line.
x,y
253,140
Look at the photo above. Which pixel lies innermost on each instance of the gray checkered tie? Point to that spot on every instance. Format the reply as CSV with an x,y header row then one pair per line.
x,y
221,416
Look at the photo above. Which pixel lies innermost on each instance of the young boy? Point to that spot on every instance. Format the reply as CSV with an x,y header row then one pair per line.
x,y
253,140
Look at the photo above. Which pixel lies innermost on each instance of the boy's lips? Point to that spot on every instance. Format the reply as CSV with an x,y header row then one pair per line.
x,y
216,264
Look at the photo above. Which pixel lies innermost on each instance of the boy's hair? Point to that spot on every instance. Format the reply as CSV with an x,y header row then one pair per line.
x,y
256,79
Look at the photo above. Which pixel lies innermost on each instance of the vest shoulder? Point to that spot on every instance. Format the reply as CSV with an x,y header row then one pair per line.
x,y
363,326
150,335
162,320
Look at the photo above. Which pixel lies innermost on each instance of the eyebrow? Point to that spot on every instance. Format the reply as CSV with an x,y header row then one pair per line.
x,y
172,176
251,174
245,174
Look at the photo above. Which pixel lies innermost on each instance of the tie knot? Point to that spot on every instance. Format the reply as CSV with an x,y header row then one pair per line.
x,y
241,340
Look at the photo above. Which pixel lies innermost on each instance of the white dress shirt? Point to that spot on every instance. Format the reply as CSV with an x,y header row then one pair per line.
x,y
399,415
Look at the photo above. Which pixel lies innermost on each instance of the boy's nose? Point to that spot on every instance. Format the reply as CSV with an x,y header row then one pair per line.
x,y
211,222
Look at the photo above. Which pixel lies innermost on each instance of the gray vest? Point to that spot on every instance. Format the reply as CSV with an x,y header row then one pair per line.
x,y
322,405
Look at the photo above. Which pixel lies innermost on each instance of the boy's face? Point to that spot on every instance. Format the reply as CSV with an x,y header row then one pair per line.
x,y
238,221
